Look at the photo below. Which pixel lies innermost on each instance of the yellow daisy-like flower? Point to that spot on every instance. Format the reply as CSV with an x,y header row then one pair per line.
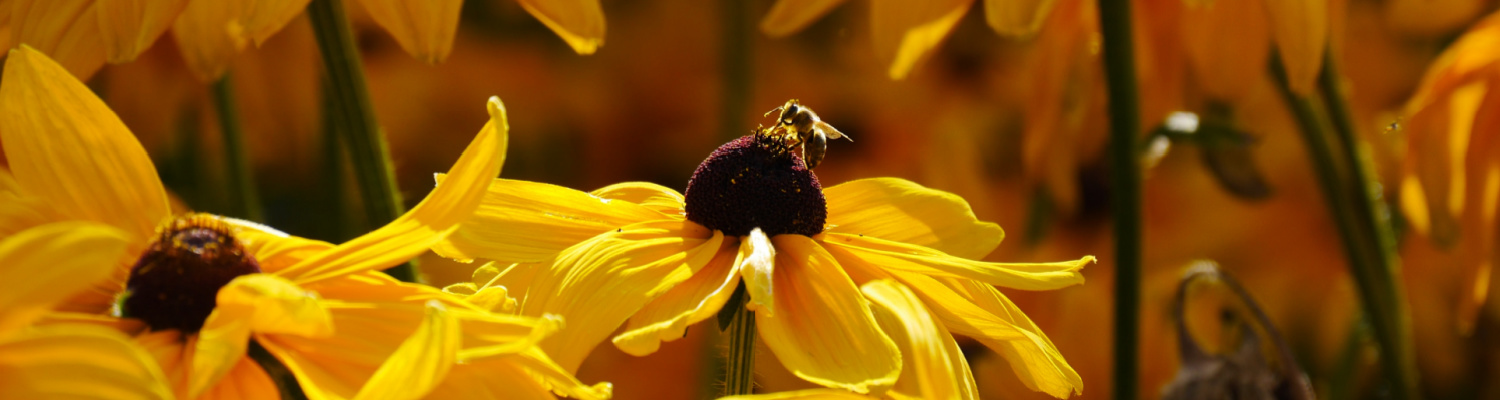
x,y
40,267
84,34
197,289
754,215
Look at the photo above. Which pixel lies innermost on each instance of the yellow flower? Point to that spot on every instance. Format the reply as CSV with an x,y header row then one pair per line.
x,y
341,327
83,34
1452,167
753,215
39,267
905,32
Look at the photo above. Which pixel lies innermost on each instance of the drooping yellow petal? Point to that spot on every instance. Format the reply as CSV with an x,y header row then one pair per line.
x,y
491,380
1466,60
129,27
934,368
578,22
336,367
66,146
696,299
266,17
44,265
904,257
78,361
1227,44
246,381
421,362
412,234
596,285
1016,17
804,394
210,33
822,329
790,16
1300,28
558,379
522,221
259,303
979,311
903,211
906,32
424,28
65,30
757,266
650,195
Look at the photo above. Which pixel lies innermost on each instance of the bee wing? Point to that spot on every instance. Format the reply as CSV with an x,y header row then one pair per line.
x,y
833,133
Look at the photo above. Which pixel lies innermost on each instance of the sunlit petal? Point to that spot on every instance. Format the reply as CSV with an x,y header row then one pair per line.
x,y
904,257
259,303
902,211
421,362
906,32
933,366
579,22
650,195
453,201
78,361
129,27
757,266
44,265
1016,17
822,329
522,221
274,250
698,298
66,146
424,28
790,16
491,380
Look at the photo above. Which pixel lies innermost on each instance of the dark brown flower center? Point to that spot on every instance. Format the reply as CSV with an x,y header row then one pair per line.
x,y
756,181
175,284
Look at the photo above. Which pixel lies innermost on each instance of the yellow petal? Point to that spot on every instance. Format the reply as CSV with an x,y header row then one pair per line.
x,y
40,267
129,27
904,257
902,211
66,30
698,298
823,330
247,380
804,394
78,361
273,249
266,17
558,379
906,32
336,367
259,303
790,16
424,28
66,146
1300,28
1227,44
934,368
522,221
757,266
579,22
596,285
1016,17
421,362
1466,60
210,33
412,234
979,311
491,380
647,194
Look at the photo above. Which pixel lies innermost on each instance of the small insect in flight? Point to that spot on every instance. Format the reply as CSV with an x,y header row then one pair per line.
x,y
807,130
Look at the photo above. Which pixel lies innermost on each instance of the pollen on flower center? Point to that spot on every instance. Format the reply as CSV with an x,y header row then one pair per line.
x,y
176,282
756,181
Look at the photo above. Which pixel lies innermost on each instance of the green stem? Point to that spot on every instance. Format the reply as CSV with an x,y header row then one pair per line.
x,y
735,66
242,192
286,383
739,371
1385,292
1125,177
354,119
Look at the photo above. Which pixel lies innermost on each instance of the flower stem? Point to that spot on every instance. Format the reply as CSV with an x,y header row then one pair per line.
x,y
354,118
735,65
242,192
739,371
286,383
1125,202
1354,208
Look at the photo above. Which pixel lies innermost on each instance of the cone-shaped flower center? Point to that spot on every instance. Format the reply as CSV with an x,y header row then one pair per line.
x,y
175,283
756,181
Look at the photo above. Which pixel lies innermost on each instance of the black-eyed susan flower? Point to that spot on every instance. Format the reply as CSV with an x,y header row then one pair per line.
x,y
656,261
195,290
40,267
83,35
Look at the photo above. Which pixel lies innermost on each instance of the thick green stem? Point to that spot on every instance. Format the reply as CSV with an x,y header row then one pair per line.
x,y
286,383
739,369
354,118
242,192
1384,292
735,65
1125,198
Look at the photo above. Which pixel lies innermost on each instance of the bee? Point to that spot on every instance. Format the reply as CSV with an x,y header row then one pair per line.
x,y
806,130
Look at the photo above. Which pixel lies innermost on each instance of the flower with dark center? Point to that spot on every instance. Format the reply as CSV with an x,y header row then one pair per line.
x,y
816,264
174,284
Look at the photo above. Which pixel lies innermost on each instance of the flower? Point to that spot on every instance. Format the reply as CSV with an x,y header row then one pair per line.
x,y
82,35
39,267
753,215
342,328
